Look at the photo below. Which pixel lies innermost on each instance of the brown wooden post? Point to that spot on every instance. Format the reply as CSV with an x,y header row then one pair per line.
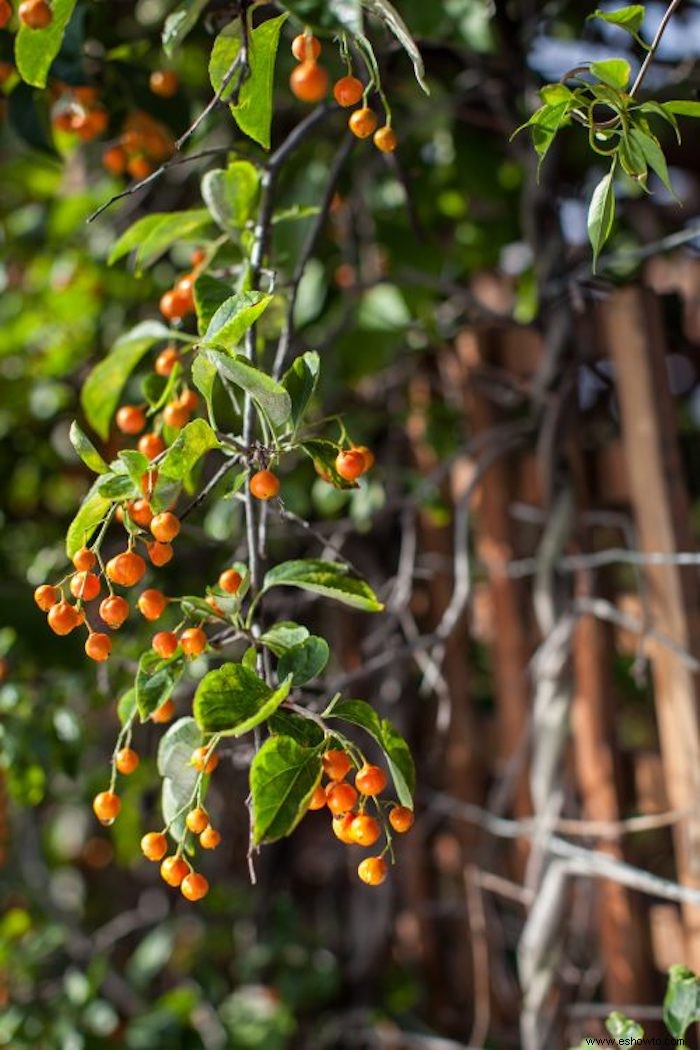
x,y
634,335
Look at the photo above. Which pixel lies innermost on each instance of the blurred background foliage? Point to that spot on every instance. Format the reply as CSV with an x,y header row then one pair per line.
x,y
93,951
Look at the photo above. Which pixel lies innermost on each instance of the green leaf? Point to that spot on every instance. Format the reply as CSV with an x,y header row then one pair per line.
x,y
134,463
233,319
35,49
305,661
615,72
328,14
180,22
555,94
324,577
622,1028
284,636
682,107
126,707
682,1001
653,155
629,18
179,777
398,755
231,194
188,447
394,22
102,388
209,294
253,112
300,383
658,110
86,450
154,234
91,513
283,777
117,487
304,730
632,158
232,700
155,680
203,376
601,213
270,395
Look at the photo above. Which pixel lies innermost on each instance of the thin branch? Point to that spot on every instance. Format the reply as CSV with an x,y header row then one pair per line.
x,y
673,6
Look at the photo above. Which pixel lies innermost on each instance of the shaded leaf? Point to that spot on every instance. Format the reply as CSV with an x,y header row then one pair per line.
x,y
155,680
300,382
270,395
209,294
653,155
601,213
284,636
283,777
304,661
234,317
180,22
91,513
154,234
231,193
393,21
179,777
682,1001
624,1031
188,447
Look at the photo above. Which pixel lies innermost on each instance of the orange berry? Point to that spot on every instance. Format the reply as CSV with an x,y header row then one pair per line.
x,y
336,764
166,361
401,818
309,82
139,167
306,47
5,13
126,568
197,820
7,70
193,641
318,799
151,445
368,456
350,464
385,140
127,761
159,553
163,82
85,585
64,618
194,887
165,527
373,870
176,415
84,559
199,756
370,780
230,581
91,123
264,485
130,419
114,610
210,838
341,828
151,604
214,605
114,160
165,644
140,512
340,797
154,845
164,713
198,257
46,597
35,14
365,830
362,122
188,399
348,91
184,289
171,307
106,806
173,870
98,646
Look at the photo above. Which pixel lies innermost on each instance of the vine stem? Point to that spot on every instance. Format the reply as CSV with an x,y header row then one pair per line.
x,y
663,24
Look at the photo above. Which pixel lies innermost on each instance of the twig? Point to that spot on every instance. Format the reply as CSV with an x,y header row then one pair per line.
x,y
654,46
210,486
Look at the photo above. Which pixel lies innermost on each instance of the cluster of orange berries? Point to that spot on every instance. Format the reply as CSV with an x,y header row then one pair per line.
x,y
78,110
35,14
350,822
175,869
142,146
309,83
